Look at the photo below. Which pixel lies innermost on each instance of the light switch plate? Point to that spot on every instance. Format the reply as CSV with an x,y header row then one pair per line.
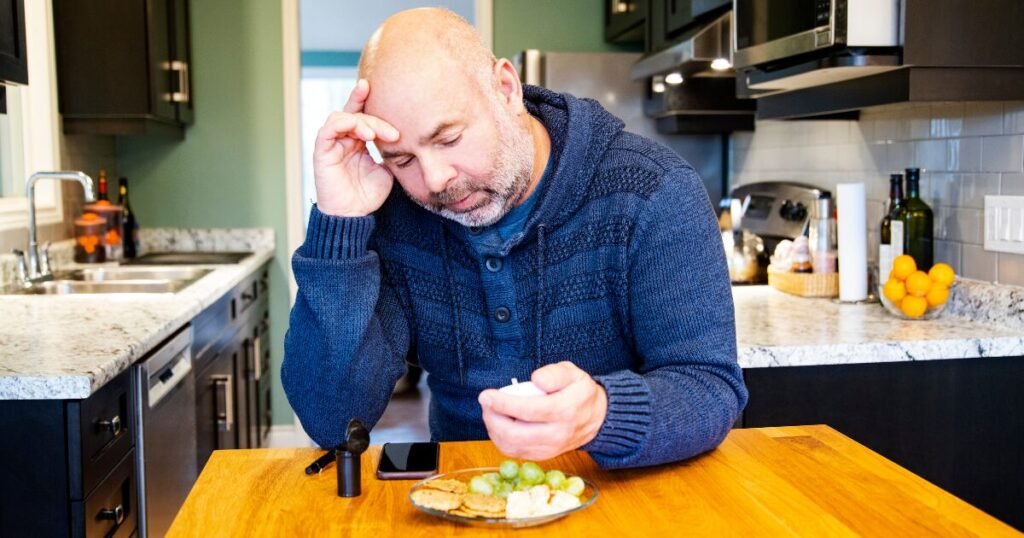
x,y
1004,224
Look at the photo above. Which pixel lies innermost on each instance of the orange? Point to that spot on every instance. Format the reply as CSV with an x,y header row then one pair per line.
x,y
938,295
903,266
894,290
918,283
943,274
913,306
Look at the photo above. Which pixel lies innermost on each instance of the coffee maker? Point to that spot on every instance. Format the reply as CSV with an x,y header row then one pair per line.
x,y
760,216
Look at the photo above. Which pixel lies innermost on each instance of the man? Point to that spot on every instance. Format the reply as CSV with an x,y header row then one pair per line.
x,y
530,237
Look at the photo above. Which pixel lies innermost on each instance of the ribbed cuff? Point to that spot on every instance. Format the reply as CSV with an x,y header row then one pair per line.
x,y
628,422
334,238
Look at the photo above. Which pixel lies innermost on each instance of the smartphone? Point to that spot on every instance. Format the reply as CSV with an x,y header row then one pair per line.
x,y
407,461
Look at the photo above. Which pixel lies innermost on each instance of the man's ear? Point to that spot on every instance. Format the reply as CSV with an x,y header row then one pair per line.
x,y
508,85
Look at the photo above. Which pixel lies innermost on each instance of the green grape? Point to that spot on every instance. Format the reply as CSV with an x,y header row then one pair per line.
x,y
503,489
574,486
492,478
522,486
479,484
555,478
531,472
509,469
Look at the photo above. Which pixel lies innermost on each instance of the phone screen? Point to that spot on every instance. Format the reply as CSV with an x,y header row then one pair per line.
x,y
408,459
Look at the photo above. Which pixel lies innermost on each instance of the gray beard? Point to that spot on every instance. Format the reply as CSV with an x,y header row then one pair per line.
x,y
504,187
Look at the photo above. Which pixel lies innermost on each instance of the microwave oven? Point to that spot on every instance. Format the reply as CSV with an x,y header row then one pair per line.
x,y
766,31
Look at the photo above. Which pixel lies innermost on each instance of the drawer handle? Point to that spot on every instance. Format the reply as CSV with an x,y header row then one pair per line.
x,y
224,403
113,425
116,514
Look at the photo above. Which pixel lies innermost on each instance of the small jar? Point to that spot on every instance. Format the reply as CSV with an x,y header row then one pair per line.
x,y
111,214
89,231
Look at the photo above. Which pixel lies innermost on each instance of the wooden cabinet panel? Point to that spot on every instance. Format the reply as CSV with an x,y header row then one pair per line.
x,y
118,66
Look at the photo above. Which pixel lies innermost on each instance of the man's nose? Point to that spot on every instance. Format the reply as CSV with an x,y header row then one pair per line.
x,y
436,174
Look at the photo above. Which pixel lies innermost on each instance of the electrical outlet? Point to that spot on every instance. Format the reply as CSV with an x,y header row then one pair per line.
x,y
1004,224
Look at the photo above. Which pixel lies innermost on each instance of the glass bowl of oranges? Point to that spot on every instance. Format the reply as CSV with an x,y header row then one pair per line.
x,y
911,293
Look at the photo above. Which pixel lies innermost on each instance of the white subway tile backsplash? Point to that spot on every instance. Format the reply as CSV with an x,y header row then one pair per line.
x,y
963,225
947,120
1011,269
948,252
974,187
930,155
978,263
963,154
983,118
1002,153
1013,122
1012,184
967,150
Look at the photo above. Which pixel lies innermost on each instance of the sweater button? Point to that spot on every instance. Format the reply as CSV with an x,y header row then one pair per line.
x,y
474,230
502,314
493,264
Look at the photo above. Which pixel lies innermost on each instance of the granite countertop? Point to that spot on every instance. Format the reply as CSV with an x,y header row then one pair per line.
x,y
67,347
776,329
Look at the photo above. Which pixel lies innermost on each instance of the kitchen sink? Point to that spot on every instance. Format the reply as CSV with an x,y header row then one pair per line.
x,y
115,280
106,274
71,287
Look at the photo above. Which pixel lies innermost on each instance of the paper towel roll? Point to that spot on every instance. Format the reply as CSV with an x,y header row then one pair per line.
x,y
851,206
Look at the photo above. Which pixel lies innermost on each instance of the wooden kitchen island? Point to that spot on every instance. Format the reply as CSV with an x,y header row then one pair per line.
x,y
800,480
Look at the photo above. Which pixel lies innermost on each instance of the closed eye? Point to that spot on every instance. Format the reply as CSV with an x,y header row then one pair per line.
x,y
452,141
404,163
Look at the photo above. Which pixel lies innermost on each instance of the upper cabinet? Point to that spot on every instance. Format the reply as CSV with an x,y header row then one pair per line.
x,y
625,21
672,20
123,66
13,61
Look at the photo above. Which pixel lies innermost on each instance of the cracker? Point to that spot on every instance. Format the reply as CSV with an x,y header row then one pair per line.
x,y
484,504
437,499
450,485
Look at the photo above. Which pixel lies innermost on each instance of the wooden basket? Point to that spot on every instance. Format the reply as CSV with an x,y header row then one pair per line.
x,y
804,284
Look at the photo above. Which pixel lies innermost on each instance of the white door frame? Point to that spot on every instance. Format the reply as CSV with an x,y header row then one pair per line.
x,y
483,16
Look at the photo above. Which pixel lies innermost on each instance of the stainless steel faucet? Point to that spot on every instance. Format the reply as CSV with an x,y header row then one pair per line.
x,y
36,271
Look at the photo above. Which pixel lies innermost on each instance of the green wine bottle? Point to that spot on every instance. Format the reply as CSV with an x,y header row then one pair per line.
x,y
918,223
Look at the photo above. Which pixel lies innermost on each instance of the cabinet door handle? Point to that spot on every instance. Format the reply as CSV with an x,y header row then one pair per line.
x,y
225,403
115,514
257,359
182,95
113,425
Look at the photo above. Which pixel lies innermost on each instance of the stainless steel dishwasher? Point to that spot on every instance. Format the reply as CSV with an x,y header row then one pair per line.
x,y
166,443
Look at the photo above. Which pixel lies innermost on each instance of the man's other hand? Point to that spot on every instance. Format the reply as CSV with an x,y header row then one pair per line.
x,y
542,427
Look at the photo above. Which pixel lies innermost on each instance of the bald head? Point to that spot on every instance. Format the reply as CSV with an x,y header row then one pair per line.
x,y
425,39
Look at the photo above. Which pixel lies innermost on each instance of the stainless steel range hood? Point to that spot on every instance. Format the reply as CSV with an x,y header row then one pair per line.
x,y
694,54
691,86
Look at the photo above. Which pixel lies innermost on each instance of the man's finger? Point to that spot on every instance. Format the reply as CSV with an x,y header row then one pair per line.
x,y
357,98
526,408
555,377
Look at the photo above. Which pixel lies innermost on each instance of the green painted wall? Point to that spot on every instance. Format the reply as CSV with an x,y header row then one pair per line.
x,y
229,171
553,25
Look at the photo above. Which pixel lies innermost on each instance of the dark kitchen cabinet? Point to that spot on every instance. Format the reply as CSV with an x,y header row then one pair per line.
x,y
957,423
671,20
232,361
68,466
625,21
13,58
123,66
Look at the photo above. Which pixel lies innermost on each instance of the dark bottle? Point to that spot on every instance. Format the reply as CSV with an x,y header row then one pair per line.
x,y
891,243
918,223
130,226
101,187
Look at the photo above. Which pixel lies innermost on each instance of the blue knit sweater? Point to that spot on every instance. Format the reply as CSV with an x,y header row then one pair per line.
x,y
619,269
